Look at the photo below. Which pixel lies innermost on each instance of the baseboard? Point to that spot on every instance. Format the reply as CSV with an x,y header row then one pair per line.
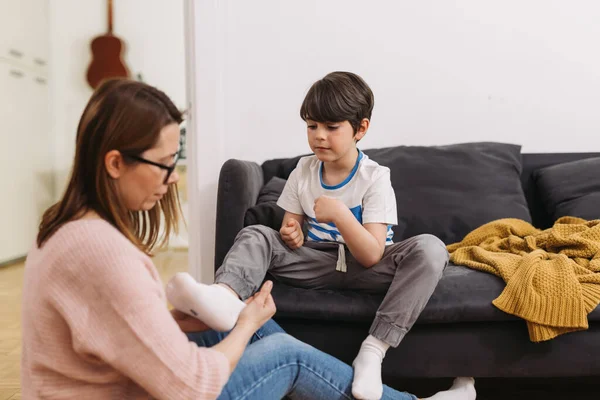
x,y
12,261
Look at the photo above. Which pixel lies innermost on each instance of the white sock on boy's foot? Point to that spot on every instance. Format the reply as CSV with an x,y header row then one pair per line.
x,y
462,389
367,383
214,304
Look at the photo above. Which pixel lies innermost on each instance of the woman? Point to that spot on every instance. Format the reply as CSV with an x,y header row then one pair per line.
x,y
95,321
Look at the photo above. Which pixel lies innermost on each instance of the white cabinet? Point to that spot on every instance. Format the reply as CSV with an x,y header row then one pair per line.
x,y
10,38
26,160
24,33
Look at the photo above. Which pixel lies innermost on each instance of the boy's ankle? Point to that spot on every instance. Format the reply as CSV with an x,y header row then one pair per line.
x,y
229,289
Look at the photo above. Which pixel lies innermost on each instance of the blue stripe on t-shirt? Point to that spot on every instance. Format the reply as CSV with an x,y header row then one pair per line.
x,y
315,238
311,219
345,181
332,232
316,228
390,235
357,212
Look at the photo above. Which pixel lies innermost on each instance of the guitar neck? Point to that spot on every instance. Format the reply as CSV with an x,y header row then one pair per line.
x,y
110,16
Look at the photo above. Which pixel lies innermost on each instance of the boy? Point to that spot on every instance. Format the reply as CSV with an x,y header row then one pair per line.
x,y
349,205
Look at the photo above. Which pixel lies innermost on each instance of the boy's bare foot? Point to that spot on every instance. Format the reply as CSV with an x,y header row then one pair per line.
x,y
228,288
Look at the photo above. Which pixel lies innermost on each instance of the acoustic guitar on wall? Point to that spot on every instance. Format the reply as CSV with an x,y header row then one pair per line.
x,y
106,55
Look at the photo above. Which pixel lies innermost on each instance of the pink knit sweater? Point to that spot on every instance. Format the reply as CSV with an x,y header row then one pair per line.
x,y
96,324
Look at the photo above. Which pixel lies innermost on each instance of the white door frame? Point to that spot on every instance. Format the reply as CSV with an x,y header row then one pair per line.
x,y
205,40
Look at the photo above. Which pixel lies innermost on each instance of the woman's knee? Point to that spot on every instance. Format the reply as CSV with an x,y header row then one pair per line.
x,y
287,348
281,340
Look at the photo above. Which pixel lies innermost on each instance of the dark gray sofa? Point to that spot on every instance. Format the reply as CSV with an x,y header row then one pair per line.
x,y
460,332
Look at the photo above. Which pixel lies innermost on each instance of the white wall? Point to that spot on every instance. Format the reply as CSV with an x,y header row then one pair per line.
x,y
153,32
523,71
154,35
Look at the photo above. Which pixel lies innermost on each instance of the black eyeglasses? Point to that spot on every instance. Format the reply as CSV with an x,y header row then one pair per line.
x,y
167,168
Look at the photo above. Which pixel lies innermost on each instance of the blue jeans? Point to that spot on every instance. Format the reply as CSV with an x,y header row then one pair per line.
x,y
275,365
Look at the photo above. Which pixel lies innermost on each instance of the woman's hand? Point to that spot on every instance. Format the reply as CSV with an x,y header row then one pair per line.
x,y
188,323
259,308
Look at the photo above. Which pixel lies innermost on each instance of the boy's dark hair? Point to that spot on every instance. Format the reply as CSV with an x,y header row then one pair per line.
x,y
339,96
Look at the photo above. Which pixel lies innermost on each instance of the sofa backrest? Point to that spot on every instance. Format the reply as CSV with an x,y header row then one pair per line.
x,y
282,168
534,161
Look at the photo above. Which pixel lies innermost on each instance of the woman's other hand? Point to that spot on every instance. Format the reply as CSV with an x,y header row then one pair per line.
x,y
259,308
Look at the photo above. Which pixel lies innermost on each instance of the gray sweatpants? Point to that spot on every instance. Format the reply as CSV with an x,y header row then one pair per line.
x,y
409,271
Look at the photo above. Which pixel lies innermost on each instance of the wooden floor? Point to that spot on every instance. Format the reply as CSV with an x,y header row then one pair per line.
x,y
11,284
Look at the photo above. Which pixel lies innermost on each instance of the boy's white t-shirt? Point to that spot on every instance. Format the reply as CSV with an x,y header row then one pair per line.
x,y
367,192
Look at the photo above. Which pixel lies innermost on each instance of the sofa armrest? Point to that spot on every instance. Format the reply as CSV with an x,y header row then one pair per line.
x,y
239,185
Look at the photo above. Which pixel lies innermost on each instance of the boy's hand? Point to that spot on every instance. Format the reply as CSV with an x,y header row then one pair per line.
x,y
327,209
292,235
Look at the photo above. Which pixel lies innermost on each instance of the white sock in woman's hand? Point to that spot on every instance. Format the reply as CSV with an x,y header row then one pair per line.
x,y
214,305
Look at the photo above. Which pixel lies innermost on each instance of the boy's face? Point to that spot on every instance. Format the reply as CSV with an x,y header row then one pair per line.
x,y
331,141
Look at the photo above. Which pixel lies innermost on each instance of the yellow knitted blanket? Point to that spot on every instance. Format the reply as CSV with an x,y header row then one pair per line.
x,y
552,277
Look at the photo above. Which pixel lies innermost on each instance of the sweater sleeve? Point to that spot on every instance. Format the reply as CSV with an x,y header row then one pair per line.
x,y
117,313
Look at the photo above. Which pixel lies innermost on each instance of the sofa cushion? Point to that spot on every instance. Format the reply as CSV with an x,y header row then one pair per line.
x,y
571,189
463,295
271,191
266,211
450,190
